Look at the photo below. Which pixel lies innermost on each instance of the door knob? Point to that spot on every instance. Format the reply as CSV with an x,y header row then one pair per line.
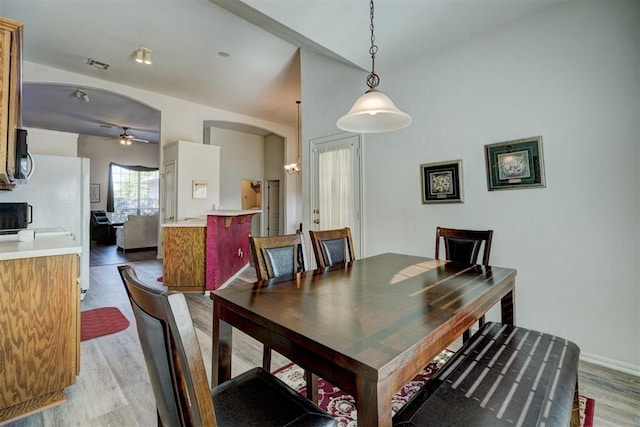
x,y
316,221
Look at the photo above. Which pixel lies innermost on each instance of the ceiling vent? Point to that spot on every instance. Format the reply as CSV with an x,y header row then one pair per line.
x,y
97,64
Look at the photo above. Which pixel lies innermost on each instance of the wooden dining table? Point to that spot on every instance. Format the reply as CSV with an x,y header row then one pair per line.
x,y
368,326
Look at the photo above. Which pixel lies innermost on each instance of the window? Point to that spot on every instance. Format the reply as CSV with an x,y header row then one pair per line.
x,y
135,192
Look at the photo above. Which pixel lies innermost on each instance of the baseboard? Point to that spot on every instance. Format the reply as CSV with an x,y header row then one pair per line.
x,y
611,363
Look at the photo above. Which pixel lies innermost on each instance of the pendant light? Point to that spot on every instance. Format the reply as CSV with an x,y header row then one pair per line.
x,y
373,112
296,167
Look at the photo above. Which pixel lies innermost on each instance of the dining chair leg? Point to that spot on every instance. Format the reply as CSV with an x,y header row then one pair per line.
x,y
266,359
312,386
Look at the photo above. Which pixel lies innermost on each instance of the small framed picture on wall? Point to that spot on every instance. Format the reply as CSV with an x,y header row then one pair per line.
x,y
199,189
442,182
94,193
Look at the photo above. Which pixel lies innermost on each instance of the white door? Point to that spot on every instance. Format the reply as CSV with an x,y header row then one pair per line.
x,y
273,208
335,185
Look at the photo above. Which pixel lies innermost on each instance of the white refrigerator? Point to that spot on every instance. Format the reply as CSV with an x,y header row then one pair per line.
x,y
58,191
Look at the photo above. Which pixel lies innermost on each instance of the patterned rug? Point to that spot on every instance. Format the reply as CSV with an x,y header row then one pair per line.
x,y
101,321
343,408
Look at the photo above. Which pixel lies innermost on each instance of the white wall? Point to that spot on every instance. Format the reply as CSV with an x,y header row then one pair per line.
x,y
329,89
101,152
570,74
181,120
274,170
243,155
195,162
51,142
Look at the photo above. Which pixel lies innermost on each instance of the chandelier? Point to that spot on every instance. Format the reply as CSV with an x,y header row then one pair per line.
x,y
296,167
373,112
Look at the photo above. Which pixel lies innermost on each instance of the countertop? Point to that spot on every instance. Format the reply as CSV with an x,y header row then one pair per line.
x,y
42,245
201,221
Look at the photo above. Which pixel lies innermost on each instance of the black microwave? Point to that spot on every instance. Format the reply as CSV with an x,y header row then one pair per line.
x,y
15,216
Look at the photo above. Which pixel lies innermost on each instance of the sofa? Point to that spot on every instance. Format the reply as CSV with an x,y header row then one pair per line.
x,y
138,231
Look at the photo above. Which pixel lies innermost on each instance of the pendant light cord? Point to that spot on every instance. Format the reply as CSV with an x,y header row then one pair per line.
x,y
372,79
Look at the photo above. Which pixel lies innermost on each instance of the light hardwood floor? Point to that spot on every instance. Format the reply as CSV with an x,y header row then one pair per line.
x,y
113,387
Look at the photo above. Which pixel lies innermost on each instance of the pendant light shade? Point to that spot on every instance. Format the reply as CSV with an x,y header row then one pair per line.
x,y
374,112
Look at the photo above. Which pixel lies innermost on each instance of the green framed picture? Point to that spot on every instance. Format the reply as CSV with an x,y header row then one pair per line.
x,y
515,164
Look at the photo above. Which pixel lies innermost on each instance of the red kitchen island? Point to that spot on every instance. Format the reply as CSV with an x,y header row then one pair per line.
x,y
206,253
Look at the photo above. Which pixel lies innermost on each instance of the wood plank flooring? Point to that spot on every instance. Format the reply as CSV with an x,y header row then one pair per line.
x,y
113,387
109,254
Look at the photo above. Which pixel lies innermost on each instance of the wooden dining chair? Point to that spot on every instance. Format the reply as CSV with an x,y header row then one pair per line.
x,y
277,256
463,246
179,380
332,247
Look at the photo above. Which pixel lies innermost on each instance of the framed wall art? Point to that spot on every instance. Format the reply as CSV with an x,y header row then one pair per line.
x,y
515,164
94,193
442,182
198,189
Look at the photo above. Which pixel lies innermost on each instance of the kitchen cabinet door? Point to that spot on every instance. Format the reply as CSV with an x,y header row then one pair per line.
x,y
10,97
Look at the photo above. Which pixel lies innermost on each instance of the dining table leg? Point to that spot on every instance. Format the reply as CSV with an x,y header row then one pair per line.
x,y
220,349
508,315
373,403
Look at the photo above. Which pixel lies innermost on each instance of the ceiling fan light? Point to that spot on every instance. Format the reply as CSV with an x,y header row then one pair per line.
x,y
374,112
139,55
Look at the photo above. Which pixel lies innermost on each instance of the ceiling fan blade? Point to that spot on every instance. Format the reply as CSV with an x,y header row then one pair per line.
x,y
139,140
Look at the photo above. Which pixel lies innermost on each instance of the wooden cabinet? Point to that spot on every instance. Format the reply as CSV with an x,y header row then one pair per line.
x,y
183,262
10,97
207,253
39,332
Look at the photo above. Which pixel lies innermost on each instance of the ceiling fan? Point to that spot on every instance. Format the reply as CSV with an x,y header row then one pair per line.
x,y
126,138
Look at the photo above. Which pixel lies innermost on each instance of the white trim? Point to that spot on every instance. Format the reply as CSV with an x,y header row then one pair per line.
x,y
611,363
232,278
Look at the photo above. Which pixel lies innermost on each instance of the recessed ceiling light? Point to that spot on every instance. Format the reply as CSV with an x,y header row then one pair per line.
x,y
224,54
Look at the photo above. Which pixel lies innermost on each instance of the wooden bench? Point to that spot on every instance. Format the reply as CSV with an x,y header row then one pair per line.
x,y
503,376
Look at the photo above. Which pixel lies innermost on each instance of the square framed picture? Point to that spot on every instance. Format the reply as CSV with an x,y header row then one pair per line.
x,y
515,164
442,182
198,189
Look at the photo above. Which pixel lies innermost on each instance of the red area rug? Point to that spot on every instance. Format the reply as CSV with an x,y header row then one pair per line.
x,y
101,321
343,408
